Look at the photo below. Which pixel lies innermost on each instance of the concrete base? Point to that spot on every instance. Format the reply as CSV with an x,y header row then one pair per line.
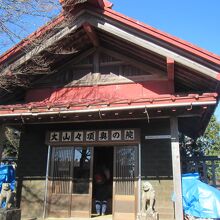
x,y
106,217
10,214
145,216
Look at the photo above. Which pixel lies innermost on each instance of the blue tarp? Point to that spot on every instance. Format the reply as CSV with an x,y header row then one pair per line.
x,y
199,199
7,175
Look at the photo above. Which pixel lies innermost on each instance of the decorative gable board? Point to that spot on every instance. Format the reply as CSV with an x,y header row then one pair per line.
x,y
109,70
102,75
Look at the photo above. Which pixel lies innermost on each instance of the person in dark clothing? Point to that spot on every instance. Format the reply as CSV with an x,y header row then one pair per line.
x,y
101,193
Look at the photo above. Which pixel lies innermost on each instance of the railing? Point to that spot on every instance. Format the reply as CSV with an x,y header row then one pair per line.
x,y
208,167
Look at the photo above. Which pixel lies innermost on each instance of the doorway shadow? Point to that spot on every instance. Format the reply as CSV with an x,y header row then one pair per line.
x,y
102,179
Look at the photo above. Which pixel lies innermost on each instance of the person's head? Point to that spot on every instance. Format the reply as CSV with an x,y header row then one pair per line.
x,y
99,179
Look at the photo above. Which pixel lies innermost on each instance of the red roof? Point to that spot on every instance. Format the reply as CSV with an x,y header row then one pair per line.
x,y
161,101
107,11
163,36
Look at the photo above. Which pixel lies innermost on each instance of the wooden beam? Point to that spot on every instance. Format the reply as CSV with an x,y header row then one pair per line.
x,y
90,31
96,62
170,73
108,79
170,68
177,180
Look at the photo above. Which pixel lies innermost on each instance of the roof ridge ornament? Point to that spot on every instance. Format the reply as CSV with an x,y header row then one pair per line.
x,y
97,3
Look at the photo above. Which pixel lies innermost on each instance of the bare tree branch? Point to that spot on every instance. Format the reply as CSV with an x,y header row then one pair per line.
x,y
14,26
16,16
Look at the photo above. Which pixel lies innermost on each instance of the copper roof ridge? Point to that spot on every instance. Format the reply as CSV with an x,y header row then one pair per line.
x,y
168,38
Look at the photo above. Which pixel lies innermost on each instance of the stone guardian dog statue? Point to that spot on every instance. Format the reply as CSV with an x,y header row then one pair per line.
x,y
6,195
148,201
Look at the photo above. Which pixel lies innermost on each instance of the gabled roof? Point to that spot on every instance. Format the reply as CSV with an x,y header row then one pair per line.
x,y
154,40
94,24
165,39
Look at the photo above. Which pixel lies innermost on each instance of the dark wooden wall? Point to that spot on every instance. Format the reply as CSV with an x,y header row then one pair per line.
x,y
156,166
31,172
156,154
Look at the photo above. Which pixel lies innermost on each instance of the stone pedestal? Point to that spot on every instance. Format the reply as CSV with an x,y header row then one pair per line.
x,y
10,214
145,216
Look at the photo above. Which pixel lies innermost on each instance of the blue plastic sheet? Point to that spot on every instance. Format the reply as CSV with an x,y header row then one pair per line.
x,y
7,175
199,199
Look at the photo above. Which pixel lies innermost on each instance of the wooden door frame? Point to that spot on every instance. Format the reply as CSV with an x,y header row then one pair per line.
x,y
50,170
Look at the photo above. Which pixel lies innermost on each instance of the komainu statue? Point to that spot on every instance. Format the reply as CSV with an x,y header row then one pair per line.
x,y
7,196
148,202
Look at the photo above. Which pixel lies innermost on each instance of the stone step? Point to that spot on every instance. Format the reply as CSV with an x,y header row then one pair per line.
x,y
106,217
164,204
164,216
165,213
165,209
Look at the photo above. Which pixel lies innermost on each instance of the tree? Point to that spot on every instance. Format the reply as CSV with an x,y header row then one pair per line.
x,y
11,142
15,25
16,16
210,142
206,145
18,19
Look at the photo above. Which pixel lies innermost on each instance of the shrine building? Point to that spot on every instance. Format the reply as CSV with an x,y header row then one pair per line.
x,y
104,90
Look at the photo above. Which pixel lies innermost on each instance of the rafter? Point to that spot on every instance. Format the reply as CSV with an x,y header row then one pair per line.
x,y
135,38
90,31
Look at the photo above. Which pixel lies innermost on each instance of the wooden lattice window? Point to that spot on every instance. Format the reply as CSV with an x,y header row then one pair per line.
x,y
125,170
70,170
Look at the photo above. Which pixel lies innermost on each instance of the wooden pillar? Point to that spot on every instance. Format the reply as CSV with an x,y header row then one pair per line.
x,y
170,73
177,181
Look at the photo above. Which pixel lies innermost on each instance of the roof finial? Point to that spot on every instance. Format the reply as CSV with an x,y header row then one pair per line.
x,y
98,3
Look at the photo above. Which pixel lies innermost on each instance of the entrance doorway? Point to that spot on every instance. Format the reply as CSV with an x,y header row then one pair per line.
x,y
102,181
73,181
